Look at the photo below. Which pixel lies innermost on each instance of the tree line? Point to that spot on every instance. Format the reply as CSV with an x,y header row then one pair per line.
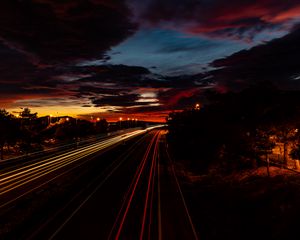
x,y
27,133
238,130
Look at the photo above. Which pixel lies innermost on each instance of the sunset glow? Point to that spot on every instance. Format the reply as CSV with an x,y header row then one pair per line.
x,y
153,60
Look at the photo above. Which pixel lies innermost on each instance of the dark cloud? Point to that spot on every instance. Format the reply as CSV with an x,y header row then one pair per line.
x,y
20,79
276,62
14,66
56,31
238,19
180,98
123,86
40,40
118,77
109,72
123,100
93,90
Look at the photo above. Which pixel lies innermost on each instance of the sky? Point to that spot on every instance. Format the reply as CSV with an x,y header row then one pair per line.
x,y
141,58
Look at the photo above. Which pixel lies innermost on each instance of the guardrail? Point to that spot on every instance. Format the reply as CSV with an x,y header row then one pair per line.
x,y
70,144
274,162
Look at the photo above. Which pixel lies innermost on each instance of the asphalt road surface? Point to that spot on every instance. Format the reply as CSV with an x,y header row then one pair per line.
x,y
122,188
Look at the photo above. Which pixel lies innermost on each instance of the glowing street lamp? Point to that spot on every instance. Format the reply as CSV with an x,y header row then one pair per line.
x,y
135,121
49,119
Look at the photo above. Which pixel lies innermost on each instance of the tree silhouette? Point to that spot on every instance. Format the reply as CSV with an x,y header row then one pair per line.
x,y
26,113
295,155
9,129
236,128
264,145
4,119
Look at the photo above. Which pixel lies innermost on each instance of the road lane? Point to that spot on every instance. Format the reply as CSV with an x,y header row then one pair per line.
x,y
176,222
129,192
96,215
14,182
156,208
57,149
137,193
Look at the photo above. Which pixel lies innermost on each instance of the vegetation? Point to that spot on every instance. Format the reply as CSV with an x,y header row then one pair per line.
x,y
295,155
237,130
9,129
27,133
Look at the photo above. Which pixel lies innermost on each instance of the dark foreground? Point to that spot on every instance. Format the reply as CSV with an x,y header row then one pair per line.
x,y
132,189
128,191
245,207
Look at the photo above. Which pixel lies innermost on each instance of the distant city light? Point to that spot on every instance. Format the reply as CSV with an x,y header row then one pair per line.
x,y
120,118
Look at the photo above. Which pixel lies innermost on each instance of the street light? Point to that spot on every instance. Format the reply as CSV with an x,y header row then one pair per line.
x,y
128,122
49,119
135,122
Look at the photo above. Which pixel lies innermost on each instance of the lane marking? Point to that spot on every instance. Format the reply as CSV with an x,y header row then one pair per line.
x,y
86,200
55,159
152,194
134,188
42,170
125,199
46,171
72,152
182,197
159,203
50,180
149,187
123,158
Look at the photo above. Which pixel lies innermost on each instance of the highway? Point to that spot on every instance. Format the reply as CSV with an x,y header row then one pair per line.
x,y
60,147
124,187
